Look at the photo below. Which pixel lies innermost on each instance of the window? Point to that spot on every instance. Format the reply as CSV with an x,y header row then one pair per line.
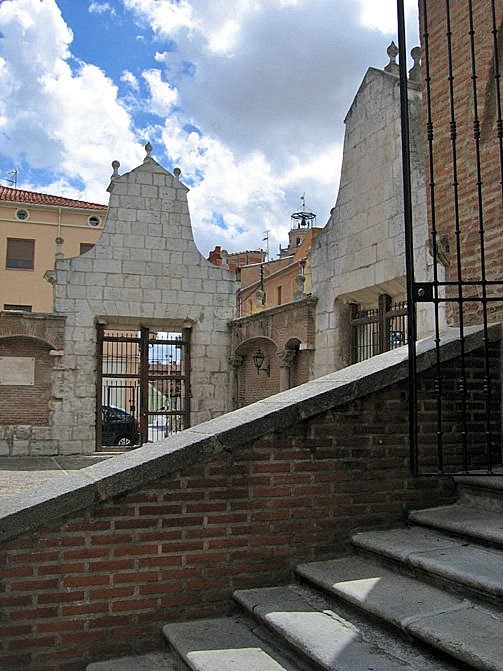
x,y
22,308
20,253
94,221
85,247
22,215
279,291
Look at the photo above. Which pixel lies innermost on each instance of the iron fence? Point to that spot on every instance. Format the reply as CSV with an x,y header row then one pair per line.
x,y
379,329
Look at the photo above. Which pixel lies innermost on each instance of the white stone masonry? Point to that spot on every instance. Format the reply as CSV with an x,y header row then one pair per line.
x,y
144,271
361,251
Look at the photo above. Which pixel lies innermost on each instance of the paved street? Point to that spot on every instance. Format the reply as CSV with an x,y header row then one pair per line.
x,y
18,473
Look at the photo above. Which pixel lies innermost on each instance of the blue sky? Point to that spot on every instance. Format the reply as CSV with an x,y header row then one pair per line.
x,y
248,98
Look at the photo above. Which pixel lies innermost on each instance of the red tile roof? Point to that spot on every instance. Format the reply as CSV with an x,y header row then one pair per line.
x,y
33,198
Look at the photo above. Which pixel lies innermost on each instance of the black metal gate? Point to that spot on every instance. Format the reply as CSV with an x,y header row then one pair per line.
x,y
143,391
455,411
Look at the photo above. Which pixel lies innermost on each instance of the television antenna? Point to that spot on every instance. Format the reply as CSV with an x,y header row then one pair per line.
x,y
12,180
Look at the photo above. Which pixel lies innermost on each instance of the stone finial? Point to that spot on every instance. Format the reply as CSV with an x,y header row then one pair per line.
x,y
148,150
114,176
415,71
392,66
59,249
177,172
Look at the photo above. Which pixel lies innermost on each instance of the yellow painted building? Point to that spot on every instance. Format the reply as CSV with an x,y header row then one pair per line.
x,y
34,227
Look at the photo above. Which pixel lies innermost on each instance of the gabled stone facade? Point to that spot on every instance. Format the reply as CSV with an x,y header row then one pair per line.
x,y
144,271
361,253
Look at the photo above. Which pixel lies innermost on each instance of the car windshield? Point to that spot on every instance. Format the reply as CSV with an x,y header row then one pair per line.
x,y
111,414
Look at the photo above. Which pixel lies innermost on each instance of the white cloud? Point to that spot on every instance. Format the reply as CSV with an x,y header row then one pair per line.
x,y
382,15
266,84
165,17
223,41
162,95
129,78
54,118
101,8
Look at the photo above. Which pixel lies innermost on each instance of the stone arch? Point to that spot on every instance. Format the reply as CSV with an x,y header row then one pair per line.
x,y
43,341
46,328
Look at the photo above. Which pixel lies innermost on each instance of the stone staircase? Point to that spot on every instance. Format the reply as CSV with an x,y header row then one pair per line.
x,y
424,598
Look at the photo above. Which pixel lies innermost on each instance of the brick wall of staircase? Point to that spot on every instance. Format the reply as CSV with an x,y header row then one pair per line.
x,y
102,580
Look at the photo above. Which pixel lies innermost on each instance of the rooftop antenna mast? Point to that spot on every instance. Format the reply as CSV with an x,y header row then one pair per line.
x,y
266,239
11,180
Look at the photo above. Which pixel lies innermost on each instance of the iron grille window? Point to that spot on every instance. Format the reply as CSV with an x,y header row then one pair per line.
x,y
20,253
377,330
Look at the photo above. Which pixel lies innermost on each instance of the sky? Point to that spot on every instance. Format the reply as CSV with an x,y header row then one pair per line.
x,y
246,97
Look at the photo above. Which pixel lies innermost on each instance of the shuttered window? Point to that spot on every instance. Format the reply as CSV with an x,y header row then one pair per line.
x,y
20,253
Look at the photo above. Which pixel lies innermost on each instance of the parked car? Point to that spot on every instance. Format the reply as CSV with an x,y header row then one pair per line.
x,y
119,427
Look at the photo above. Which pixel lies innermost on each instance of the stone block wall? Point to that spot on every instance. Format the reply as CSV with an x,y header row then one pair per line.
x,y
144,271
360,253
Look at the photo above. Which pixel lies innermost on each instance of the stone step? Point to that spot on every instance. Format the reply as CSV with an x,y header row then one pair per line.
x,y
155,661
450,561
327,638
468,633
485,492
224,644
482,526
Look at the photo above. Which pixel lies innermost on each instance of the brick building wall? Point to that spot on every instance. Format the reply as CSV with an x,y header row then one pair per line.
x,y
255,385
27,410
454,155
276,332
27,404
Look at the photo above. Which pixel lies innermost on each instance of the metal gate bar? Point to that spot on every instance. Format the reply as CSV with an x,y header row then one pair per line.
x,y
127,376
472,290
377,330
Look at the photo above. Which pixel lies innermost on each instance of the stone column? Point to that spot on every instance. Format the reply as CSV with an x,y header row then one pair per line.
x,y
286,358
236,362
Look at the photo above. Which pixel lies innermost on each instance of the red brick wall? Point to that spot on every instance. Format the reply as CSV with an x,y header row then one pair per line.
x,y
466,153
472,418
101,583
254,386
25,404
273,330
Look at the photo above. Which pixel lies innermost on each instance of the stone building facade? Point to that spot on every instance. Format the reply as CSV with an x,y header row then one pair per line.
x,y
360,253
145,271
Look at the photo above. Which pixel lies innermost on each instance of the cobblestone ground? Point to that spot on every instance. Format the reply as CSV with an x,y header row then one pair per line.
x,y
19,473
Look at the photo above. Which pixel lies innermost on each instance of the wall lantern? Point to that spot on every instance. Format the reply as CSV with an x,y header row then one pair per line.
x,y
258,360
